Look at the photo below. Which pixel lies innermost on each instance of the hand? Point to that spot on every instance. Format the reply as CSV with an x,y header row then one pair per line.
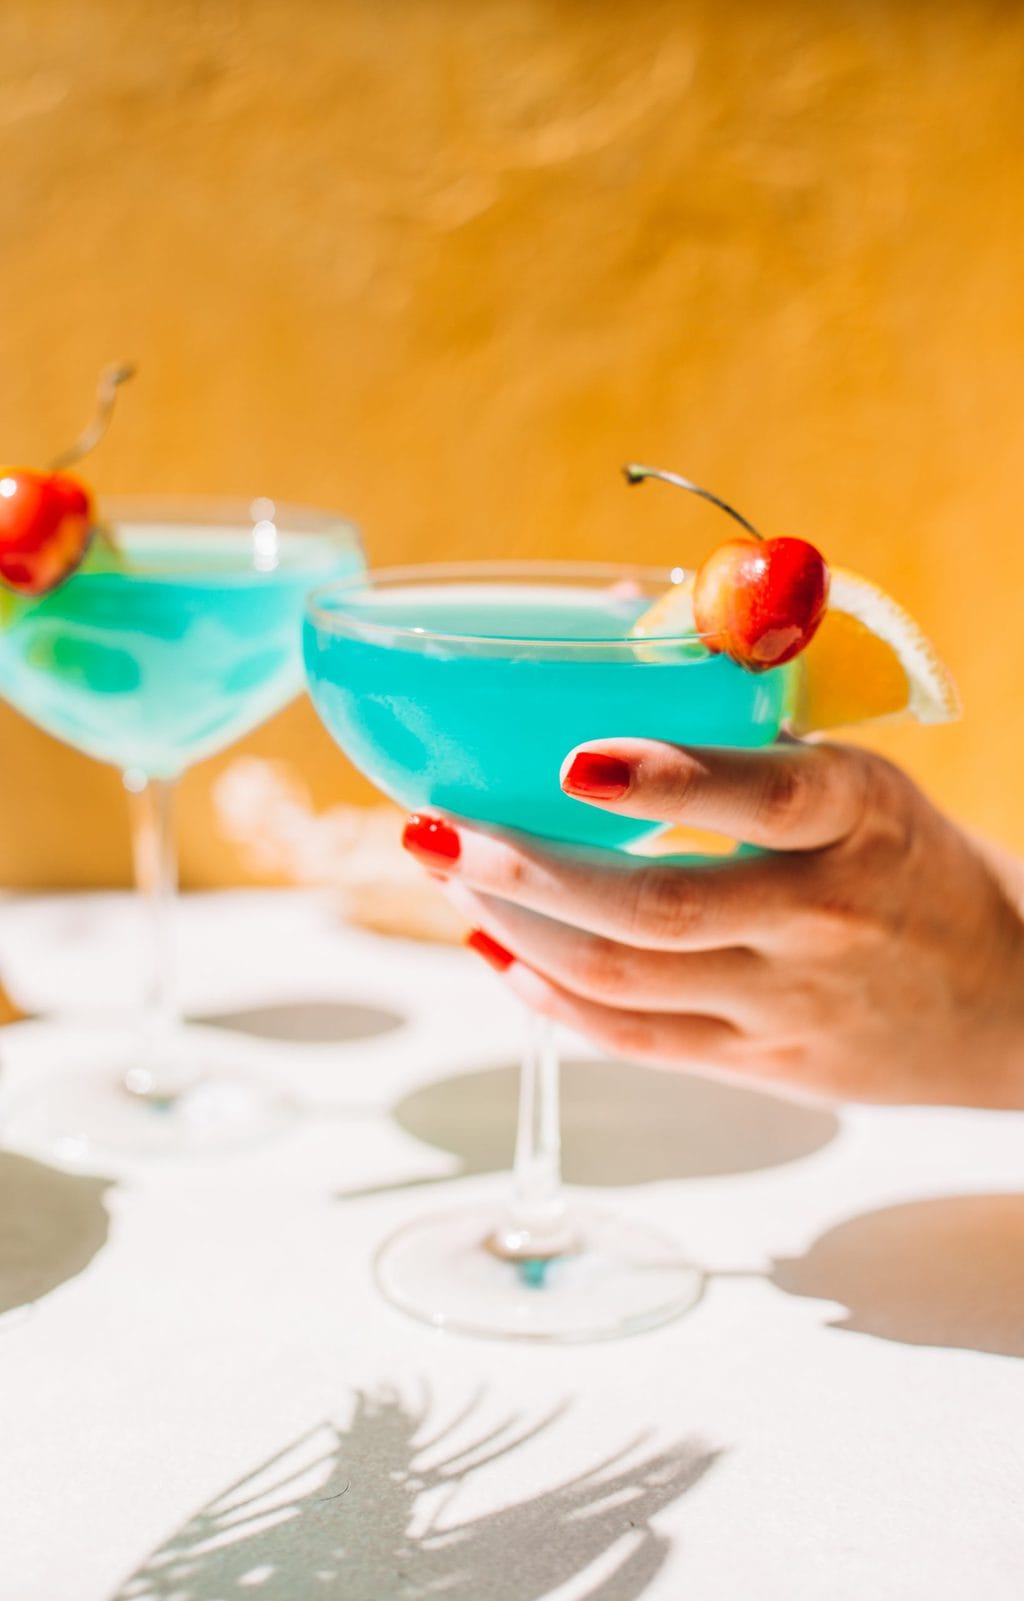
x,y
874,952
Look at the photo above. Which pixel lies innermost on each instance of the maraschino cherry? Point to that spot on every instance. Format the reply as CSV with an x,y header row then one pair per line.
x,y
759,601
46,516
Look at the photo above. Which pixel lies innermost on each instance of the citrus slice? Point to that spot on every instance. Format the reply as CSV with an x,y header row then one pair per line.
x,y
670,616
868,659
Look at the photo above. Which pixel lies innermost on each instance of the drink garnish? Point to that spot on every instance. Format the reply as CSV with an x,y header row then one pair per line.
x,y
47,517
756,600
868,660
864,657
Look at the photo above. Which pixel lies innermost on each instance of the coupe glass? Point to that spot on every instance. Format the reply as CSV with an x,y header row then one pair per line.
x,y
179,634
461,689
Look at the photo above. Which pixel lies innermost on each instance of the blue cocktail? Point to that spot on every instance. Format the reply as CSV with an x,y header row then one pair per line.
x,y
180,633
462,690
171,649
465,697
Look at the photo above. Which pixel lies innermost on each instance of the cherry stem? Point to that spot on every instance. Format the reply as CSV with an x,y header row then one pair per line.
x,y
636,475
106,396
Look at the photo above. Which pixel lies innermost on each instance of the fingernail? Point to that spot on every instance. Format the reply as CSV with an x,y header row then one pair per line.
x,y
431,840
596,776
500,959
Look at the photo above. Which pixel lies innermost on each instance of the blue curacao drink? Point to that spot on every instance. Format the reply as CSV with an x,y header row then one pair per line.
x,y
463,691
174,645
465,695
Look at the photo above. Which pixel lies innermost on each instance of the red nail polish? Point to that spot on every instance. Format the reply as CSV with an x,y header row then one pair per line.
x,y
431,840
500,959
596,776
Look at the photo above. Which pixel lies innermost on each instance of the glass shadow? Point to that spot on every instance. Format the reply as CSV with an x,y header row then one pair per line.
x,y
52,1224
308,1022
945,1271
623,1124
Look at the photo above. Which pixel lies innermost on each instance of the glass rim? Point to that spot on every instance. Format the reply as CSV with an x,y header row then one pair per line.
x,y
232,513
333,621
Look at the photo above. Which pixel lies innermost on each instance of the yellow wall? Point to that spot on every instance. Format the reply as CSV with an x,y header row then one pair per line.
x,y
445,265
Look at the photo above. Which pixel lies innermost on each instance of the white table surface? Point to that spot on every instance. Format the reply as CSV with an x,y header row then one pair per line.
x,y
213,1402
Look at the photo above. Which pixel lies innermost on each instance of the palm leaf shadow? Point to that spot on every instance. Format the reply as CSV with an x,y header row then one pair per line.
x,y
362,1514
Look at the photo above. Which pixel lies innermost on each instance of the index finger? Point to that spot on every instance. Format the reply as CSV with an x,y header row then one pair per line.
x,y
791,797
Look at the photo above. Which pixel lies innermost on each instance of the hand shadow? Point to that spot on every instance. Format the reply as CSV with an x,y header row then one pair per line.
x,y
308,1022
52,1224
945,1272
622,1124
362,1513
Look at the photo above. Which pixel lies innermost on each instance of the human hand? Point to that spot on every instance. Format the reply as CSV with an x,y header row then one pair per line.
x,y
874,952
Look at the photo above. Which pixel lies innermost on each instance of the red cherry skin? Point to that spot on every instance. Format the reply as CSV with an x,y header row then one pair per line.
x,y
761,601
46,522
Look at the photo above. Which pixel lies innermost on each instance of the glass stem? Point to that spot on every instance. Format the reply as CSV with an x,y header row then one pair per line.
x,y
157,1076
538,1223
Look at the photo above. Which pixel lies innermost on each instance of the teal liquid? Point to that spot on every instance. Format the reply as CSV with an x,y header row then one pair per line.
x,y
165,657
480,730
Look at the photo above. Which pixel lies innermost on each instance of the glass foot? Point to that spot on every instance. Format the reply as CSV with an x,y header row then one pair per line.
x,y
76,1117
623,1278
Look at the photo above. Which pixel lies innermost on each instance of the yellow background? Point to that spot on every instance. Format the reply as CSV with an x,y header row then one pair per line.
x,y
445,264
